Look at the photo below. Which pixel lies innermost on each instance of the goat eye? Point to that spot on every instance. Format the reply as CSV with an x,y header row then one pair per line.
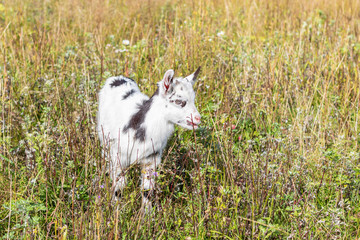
x,y
181,103
178,102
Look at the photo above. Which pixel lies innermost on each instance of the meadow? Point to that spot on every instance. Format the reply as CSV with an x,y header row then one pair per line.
x,y
277,155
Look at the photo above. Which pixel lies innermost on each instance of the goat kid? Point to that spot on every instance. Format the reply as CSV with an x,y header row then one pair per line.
x,y
134,128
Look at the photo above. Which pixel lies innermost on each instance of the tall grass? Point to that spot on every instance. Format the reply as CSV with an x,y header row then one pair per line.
x,y
277,155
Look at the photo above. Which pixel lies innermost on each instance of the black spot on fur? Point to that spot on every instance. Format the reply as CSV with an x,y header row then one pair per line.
x,y
137,119
128,94
117,82
140,134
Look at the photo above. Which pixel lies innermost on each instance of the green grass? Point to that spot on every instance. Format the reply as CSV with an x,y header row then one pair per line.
x,y
277,155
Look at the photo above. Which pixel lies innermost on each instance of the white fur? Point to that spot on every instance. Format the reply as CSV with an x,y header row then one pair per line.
x,y
142,141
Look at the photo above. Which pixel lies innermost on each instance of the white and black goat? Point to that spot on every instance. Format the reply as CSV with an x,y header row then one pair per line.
x,y
134,129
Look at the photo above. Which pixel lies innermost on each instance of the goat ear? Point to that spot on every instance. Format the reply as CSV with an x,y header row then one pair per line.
x,y
165,84
194,75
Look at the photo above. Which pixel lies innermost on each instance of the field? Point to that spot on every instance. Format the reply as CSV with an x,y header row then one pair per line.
x,y
277,155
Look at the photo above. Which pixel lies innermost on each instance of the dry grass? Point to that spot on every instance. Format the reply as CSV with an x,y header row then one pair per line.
x,y
276,157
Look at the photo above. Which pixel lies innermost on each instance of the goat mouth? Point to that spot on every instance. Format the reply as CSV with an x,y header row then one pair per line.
x,y
192,124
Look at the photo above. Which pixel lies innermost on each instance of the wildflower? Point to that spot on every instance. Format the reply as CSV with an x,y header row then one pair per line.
x,y
102,186
219,34
120,50
155,174
233,127
125,42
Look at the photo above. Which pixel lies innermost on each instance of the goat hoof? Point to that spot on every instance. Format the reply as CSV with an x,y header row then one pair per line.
x,y
147,194
118,193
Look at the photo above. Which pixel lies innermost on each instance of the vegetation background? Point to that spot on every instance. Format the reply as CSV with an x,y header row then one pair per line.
x,y
276,157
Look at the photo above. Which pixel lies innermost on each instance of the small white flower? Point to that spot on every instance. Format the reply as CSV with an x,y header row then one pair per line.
x,y
28,153
120,50
220,34
125,42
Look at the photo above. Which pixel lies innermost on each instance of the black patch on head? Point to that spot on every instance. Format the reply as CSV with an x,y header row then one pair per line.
x,y
117,82
128,94
140,134
137,119
172,95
